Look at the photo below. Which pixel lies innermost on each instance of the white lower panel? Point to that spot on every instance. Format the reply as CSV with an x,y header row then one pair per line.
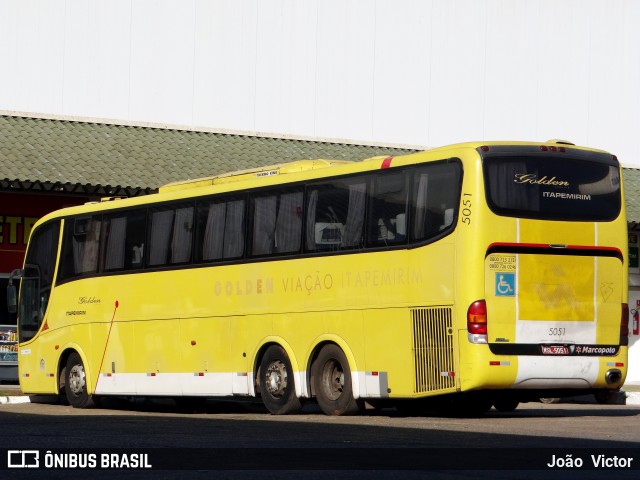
x,y
174,384
243,384
552,372
370,384
221,384
302,387
545,331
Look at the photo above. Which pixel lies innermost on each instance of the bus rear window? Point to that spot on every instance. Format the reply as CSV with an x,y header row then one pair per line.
x,y
552,188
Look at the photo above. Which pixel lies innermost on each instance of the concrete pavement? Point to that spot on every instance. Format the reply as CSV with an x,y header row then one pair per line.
x,y
629,395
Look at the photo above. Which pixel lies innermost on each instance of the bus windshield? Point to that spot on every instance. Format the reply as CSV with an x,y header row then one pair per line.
x,y
566,189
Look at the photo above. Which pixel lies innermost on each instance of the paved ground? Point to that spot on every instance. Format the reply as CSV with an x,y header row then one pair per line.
x,y
236,441
629,395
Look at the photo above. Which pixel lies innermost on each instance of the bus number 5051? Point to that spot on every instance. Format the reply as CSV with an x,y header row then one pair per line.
x,y
557,331
466,209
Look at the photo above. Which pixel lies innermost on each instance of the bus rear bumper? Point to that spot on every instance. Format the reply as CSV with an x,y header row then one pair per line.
x,y
528,372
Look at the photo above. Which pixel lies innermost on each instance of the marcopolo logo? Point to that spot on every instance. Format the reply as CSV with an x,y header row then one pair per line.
x,y
594,350
23,459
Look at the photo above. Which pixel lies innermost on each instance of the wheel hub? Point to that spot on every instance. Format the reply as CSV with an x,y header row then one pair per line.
x,y
77,380
276,379
333,377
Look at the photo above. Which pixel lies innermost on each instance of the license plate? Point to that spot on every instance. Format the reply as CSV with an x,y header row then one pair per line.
x,y
555,350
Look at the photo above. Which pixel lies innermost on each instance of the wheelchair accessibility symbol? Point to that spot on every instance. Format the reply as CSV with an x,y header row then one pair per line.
x,y
505,284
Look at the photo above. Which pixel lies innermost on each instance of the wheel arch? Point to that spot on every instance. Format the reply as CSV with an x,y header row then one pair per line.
x,y
62,365
295,366
320,343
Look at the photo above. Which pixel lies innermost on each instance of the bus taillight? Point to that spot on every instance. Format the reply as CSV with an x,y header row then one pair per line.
x,y
477,322
624,325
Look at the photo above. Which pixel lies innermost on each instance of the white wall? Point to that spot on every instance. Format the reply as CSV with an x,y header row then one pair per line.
x,y
413,72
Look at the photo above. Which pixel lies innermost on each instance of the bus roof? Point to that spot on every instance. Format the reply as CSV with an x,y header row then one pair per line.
x,y
283,168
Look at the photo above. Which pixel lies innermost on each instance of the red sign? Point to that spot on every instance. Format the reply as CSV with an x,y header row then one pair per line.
x,y
18,213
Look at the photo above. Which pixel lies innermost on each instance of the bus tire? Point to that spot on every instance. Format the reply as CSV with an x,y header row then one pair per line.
x,y
331,379
75,384
277,385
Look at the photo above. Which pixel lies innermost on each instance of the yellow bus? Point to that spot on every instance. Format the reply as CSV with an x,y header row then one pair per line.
x,y
475,274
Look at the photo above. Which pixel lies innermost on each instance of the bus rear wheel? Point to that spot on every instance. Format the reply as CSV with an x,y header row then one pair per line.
x,y
331,379
277,386
75,385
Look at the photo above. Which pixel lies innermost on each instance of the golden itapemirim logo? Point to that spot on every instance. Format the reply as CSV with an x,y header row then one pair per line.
x,y
532,179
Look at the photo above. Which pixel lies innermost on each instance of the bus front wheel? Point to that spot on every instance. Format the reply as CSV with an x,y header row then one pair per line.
x,y
331,379
76,383
277,386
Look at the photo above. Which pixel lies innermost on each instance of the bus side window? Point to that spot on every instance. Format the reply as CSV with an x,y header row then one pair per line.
x,y
335,214
289,222
80,247
125,234
264,224
277,222
170,236
436,193
388,210
220,227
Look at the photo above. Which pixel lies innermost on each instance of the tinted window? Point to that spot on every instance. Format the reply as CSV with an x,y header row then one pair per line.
x,y
43,249
434,199
557,189
170,235
220,229
37,281
80,247
277,223
124,234
387,223
335,214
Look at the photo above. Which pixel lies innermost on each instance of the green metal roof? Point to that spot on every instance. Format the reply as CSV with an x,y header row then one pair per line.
x,y
631,179
75,157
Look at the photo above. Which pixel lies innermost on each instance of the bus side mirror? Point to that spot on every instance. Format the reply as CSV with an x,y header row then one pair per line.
x,y
12,297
